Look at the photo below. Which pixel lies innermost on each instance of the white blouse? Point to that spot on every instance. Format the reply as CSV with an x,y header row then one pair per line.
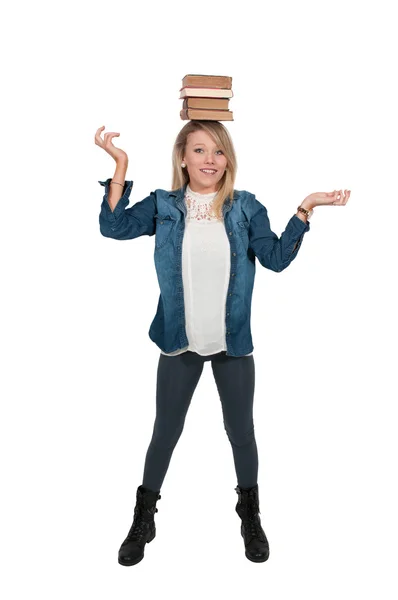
x,y
205,274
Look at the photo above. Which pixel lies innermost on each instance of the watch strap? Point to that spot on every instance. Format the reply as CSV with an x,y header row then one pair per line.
x,y
306,212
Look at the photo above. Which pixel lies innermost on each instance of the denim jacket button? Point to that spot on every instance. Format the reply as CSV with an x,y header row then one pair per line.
x,y
233,275
233,253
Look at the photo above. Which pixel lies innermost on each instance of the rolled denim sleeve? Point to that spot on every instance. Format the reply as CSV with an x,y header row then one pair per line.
x,y
273,252
127,223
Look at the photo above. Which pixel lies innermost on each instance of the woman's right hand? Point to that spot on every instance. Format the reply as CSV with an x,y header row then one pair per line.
x,y
106,143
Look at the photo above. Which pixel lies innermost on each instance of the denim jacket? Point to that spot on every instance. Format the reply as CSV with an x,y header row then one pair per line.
x,y
247,226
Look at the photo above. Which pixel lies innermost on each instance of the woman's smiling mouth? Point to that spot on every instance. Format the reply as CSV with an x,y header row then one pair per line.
x,y
208,171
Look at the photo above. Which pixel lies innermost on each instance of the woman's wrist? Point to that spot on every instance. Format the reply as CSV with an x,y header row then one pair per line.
x,y
301,216
307,205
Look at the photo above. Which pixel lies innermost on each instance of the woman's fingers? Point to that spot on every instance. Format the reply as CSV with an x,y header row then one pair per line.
x,y
342,199
106,144
107,141
97,138
108,137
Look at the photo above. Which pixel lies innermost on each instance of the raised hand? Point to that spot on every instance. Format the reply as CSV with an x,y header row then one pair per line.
x,y
106,143
337,198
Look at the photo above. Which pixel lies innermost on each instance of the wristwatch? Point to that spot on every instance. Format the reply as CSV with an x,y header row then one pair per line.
x,y
308,213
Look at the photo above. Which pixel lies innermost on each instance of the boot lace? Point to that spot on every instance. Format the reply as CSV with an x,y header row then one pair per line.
x,y
251,518
140,524
253,527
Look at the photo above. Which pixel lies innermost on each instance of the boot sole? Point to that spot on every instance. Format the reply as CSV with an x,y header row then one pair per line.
x,y
130,563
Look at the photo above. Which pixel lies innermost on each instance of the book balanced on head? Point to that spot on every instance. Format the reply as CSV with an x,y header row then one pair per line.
x,y
206,97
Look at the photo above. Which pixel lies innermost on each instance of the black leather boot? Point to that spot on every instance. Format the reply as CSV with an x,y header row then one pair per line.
x,y
143,529
256,543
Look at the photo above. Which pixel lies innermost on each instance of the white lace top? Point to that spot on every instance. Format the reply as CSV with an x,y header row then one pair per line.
x,y
205,275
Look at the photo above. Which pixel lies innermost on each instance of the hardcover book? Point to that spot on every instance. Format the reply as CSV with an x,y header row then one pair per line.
x,y
209,115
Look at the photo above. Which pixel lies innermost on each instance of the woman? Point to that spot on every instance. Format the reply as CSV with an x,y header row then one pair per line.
x,y
207,238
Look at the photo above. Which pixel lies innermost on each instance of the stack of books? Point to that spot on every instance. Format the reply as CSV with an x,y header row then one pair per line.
x,y
206,97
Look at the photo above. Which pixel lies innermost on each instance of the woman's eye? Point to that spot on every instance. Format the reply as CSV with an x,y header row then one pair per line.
x,y
196,149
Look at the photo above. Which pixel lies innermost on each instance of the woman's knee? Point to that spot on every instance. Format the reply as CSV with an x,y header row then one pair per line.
x,y
166,438
239,437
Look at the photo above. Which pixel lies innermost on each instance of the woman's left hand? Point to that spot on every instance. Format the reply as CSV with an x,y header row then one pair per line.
x,y
320,198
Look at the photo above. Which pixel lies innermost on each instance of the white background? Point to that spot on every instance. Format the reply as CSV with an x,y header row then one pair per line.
x,y
314,110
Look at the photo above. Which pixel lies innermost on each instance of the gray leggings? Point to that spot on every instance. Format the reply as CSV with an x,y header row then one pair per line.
x,y
177,378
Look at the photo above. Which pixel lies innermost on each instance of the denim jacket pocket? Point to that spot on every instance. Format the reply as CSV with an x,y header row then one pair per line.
x,y
243,231
164,226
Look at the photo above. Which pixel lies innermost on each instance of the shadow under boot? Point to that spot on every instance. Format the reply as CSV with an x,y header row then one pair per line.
x,y
256,543
143,529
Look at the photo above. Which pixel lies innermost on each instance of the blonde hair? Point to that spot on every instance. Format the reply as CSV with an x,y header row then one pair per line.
x,y
221,137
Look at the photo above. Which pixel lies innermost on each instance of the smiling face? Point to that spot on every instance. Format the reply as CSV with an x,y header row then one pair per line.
x,y
201,154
